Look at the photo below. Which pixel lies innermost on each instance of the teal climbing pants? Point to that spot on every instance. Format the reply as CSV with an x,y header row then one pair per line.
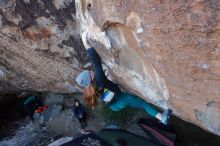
x,y
123,100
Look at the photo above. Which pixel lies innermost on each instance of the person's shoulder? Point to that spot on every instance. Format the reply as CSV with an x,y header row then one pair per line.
x,y
80,104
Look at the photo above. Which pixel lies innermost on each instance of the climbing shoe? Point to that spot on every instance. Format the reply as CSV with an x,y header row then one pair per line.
x,y
166,116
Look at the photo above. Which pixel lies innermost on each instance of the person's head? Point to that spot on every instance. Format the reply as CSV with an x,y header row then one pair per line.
x,y
91,96
76,103
84,80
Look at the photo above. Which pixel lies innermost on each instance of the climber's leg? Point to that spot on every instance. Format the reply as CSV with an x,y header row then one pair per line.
x,y
137,102
119,103
125,99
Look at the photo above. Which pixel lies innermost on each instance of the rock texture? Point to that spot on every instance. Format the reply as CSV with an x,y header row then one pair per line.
x,y
40,46
164,51
167,52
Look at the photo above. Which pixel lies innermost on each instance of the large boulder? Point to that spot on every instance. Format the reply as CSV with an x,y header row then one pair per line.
x,y
40,45
53,98
166,52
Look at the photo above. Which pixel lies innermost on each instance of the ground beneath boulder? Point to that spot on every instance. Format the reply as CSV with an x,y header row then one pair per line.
x,y
58,122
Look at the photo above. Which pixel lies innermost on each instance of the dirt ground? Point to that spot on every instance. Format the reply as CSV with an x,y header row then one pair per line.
x,y
59,121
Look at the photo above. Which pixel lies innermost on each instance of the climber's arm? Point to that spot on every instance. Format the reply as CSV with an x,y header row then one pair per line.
x,y
95,59
99,74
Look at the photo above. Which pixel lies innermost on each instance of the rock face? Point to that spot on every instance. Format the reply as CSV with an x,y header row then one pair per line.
x,y
40,46
166,52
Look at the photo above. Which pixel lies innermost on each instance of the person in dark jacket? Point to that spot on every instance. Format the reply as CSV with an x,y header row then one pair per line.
x,y
79,112
29,103
111,94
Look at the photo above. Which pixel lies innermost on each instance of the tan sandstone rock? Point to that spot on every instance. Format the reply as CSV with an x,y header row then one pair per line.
x,y
166,52
40,46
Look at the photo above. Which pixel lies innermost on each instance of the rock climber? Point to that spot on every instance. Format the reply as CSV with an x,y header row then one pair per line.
x,y
79,112
29,103
95,81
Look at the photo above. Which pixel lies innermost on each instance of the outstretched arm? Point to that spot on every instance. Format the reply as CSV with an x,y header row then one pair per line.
x,y
95,59
99,74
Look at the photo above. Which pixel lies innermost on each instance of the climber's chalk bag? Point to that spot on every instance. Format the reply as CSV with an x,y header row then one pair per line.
x,y
107,96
